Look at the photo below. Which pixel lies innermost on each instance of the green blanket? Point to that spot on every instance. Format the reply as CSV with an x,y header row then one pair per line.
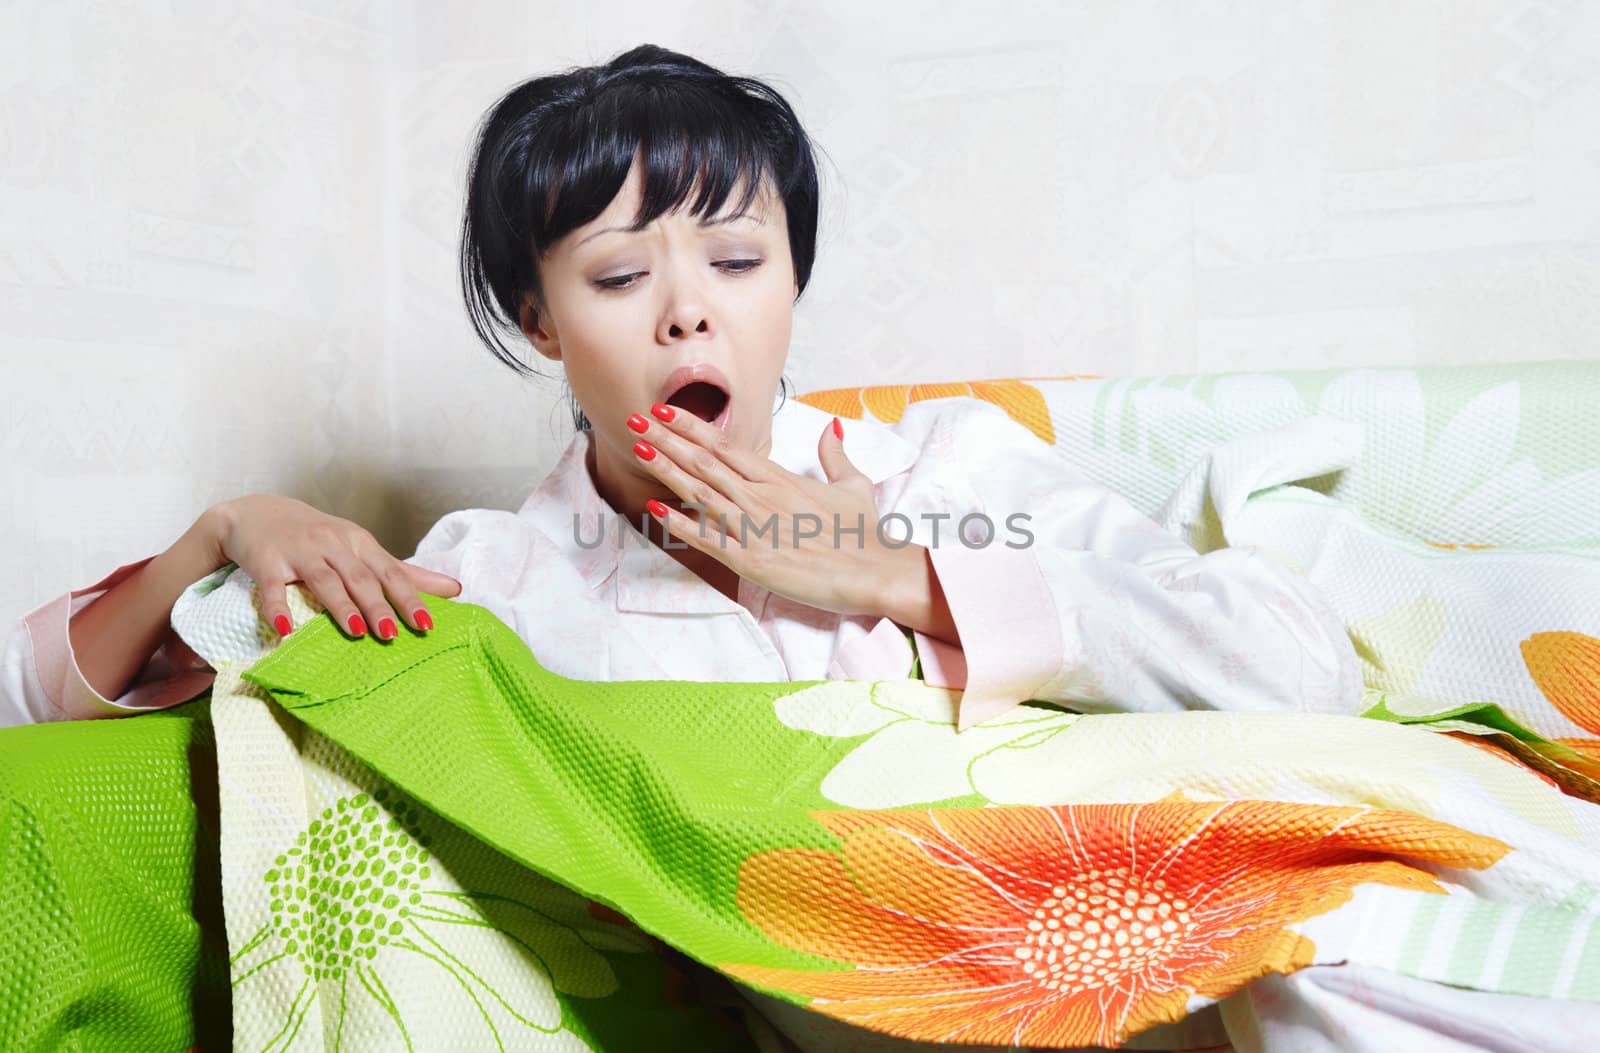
x,y
1200,850
112,913
436,840
116,937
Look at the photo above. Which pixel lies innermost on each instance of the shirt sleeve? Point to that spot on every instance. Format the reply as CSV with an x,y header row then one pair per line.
x,y
40,680
486,550
446,548
1083,600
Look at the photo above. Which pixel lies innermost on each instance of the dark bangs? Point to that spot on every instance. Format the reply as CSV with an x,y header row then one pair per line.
x,y
555,151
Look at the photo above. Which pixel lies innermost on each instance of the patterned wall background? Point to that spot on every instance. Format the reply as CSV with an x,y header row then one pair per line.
x,y
227,230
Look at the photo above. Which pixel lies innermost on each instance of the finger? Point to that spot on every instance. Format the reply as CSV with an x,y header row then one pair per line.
x,y
836,464
704,534
432,581
402,592
738,465
402,582
366,589
689,485
274,602
328,586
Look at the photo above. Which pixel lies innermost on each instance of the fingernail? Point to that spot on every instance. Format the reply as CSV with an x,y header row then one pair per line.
x,y
657,509
662,410
281,623
638,423
387,630
423,619
838,429
644,449
357,626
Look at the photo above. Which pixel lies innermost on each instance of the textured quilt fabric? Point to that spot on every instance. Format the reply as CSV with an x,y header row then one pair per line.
x,y
1051,879
112,916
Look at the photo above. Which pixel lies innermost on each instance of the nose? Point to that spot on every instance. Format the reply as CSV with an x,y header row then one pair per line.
x,y
688,306
686,313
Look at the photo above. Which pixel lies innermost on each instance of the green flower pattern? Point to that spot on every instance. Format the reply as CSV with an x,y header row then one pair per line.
x,y
347,884
356,888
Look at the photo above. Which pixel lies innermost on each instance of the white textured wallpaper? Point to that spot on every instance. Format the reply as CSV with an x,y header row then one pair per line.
x,y
228,230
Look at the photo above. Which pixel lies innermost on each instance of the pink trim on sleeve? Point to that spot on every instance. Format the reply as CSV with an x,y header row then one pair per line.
x,y
174,674
943,664
882,654
1011,644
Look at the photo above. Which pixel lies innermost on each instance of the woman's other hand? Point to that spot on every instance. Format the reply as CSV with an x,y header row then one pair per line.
x,y
279,541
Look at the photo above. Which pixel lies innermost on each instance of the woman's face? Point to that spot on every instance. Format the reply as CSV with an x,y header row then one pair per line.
x,y
624,310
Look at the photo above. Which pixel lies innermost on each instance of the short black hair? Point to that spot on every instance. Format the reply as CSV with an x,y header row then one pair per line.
x,y
553,152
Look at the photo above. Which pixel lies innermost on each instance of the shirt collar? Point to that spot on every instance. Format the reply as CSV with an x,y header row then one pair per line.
x,y
796,429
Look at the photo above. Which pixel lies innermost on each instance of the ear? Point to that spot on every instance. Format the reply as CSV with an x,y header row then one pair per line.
x,y
532,324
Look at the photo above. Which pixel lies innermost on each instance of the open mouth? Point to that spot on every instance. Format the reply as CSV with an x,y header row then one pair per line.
x,y
706,399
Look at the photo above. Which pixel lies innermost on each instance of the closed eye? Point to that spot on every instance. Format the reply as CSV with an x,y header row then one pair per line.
x,y
625,281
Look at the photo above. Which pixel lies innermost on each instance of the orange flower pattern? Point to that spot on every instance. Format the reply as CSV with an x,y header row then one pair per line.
x,y
1566,666
1071,924
1022,402
1589,748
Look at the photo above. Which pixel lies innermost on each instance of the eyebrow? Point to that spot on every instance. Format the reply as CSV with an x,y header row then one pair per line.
x,y
704,223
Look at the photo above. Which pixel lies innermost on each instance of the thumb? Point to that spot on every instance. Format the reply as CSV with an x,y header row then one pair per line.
x,y
433,581
830,451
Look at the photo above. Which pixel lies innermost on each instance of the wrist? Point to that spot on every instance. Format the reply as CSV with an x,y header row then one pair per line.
x,y
117,632
200,548
901,591
913,597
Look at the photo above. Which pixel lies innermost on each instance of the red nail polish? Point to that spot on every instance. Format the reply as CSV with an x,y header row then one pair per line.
x,y
644,449
423,619
282,624
662,410
657,509
357,626
838,430
387,630
638,423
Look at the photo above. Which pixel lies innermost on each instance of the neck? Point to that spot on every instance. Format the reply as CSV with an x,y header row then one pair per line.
x,y
626,492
